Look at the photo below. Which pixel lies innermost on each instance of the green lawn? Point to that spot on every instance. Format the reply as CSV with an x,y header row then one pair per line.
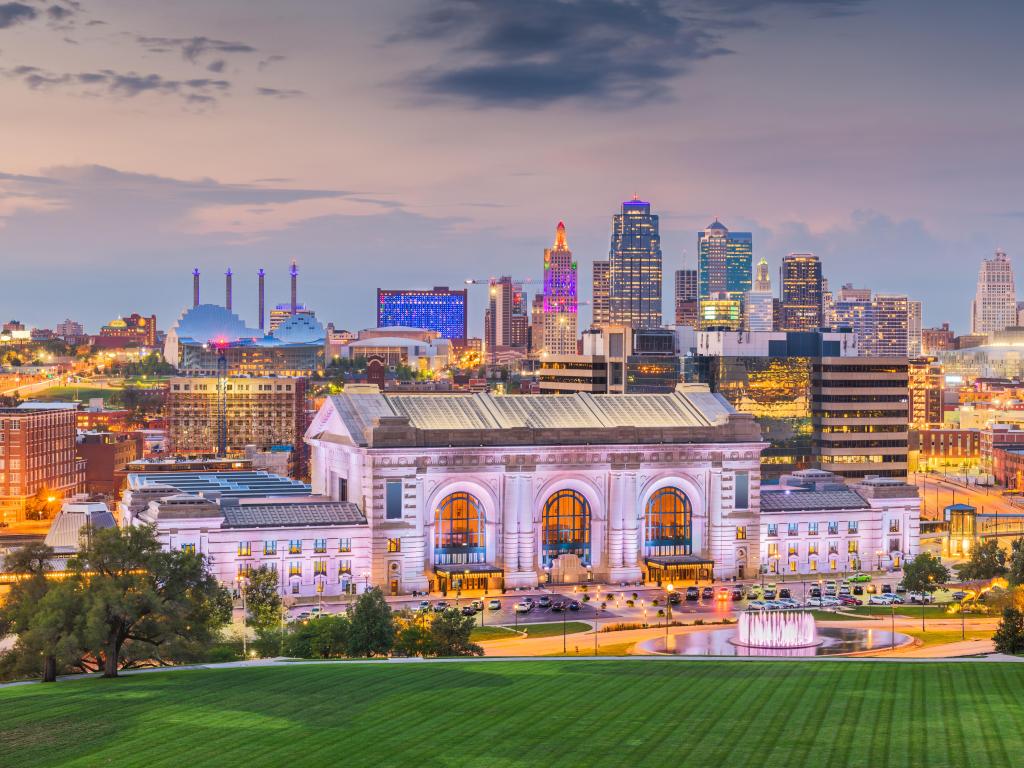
x,y
67,394
834,616
913,611
554,628
536,713
943,636
492,633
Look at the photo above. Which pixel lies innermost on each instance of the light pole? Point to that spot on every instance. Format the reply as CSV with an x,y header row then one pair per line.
x,y
564,652
878,554
963,625
669,589
366,581
241,588
892,608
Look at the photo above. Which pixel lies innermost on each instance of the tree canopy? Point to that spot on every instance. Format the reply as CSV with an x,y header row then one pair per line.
x,y
925,573
987,561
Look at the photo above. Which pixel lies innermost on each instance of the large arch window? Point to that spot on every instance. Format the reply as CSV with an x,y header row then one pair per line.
x,y
566,527
459,530
668,524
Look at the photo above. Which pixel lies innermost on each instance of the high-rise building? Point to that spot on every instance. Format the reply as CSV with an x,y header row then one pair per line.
x,y
686,297
853,309
440,309
69,329
724,261
995,301
890,314
38,456
925,383
759,304
269,413
537,324
801,292
914,330
135,330
828,304
935,340
602,293
720,312
281,313
634,267
506,321
561,325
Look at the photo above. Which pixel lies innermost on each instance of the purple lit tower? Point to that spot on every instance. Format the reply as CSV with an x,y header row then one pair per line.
x,y
560,308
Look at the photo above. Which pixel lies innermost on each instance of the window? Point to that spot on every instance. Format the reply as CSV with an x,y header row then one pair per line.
x,y
244,549
342,489
459,530
852,526
741,533
773,549
812,548
833,528
244,570
189,548
793,550
320,567
832,565
394,545
833,547
393,500
812,529
773,529
814,566
295,568
793,529
270,547
792,566
320,546
344,545
344,567
668,524
894,526
894,544
851,546
565,528
295,547
742,490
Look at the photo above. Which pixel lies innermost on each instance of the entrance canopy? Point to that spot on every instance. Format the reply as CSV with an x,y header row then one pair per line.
x,y
468,569
468,576
679,568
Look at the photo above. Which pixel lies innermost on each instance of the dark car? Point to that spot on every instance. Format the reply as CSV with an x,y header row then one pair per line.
x,y
847,600
887,589
737,593
784,592
468,610
558,606
900,589
707,593
959,595
692,593
574,605
858,589
544,602
815,591
675,598
441,605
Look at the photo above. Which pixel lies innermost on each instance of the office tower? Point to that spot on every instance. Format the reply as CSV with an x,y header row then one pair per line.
x,y
853,310
801,292
537,324
615,359
925,383
759,304
38,442
859,411
560,320
440,309
261,297
995,301
506,322
934,340
634,270
266,412
227,289
914,330
720,312
724,261
602,293
686,297
828,304
891,319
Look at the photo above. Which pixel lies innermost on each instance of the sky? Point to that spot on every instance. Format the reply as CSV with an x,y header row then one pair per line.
x,y
411,144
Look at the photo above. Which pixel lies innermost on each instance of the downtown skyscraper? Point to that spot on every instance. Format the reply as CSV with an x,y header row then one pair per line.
x,y
801,292
634,267
724,262
560,307
602,293
995,301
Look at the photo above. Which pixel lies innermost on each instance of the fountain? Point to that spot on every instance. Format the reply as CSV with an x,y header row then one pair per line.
x,y
777,629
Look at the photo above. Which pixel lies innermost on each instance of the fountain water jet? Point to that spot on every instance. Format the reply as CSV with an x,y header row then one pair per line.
x,y
777,629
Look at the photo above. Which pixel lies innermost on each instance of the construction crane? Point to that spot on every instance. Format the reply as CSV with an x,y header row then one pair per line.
x,y
489,280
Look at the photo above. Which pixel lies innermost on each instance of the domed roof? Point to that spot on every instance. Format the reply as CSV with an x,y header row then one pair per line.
x,y
300,329
117,322
716,224
210,322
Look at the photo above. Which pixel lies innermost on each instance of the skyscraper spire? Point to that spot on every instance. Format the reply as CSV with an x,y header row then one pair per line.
x,y
763,281
195,287
260,275
561,244
295,287
227,289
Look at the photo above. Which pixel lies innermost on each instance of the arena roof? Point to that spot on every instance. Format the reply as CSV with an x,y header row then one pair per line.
x,y
792,500
238,485
294,514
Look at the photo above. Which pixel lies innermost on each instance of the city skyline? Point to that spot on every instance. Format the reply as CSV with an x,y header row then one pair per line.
x,y
359,202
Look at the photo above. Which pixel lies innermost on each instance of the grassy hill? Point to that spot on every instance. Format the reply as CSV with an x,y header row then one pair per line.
x,y
536,713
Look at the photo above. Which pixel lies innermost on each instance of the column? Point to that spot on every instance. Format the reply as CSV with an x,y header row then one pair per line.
x,y
520,568
622,534
630,522
714,515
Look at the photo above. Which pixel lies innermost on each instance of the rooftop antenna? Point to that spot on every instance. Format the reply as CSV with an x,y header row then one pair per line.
x,y
195,287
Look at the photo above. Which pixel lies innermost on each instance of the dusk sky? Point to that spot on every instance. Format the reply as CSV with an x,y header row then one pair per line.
x,y
406,145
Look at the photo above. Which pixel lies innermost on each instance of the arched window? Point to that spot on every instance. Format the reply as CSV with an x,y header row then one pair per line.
x,y
669,524
566,527
459,530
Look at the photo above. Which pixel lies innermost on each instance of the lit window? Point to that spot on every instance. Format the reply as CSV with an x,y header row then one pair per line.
x,y
773,549
295,568
344,545
189,548
270,547
320,567
851,546
773,529
852,526
741,532
394,545
244,549
295,547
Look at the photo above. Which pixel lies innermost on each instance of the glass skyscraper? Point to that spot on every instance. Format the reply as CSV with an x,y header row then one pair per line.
x,y
634,267
724,261
441,309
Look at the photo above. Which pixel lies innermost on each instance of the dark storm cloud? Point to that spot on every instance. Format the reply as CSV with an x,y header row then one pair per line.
x,y
193,48
537,52
15,13
59,12
216,66
280,93
121,84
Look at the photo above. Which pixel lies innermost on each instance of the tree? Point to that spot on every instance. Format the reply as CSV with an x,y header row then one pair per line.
x,y
449,635
924,574
161,604
987,561
330,637
1009,635
372,628
1015,572
42,505
262,599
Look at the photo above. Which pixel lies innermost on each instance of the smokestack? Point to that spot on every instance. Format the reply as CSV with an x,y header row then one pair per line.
x,y
195,287
295,287
227,289
260,273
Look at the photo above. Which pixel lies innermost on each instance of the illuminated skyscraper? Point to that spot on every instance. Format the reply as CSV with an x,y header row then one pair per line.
x,y
891,316
724,261
758,309
560,321
635,267
995,302
601,290
914,333
506,319
441,309
801,292
686,297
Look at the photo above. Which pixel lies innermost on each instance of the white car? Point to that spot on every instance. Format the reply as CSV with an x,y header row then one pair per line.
x,y
756,605
524,607
829,602
788,602
879,600
815,602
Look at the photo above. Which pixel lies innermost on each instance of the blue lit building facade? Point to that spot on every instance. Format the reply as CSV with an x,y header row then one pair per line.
x,y
634,267
440,309
724,262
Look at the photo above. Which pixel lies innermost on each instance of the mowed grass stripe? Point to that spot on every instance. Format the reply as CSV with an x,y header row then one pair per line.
x,y
510,714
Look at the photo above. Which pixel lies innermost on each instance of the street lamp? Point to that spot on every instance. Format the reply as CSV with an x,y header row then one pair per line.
x,y
241,588
366,581
669,589
878,553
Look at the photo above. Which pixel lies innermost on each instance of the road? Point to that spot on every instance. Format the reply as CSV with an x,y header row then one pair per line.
x,y
937,494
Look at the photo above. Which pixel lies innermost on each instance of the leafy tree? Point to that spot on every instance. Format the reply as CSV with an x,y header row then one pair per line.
x,y
412,640
330,637
159,604
924,573
1015,571
1009,635
262,599
987,561
372,627
42,505
449,635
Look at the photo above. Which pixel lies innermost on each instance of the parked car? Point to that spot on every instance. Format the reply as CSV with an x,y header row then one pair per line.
x,y
894,598
737,593
494,605
523,607
900,588
849,600
788,602
574,605
756,605
468,610
829,602
879,600
959,595
707,593
424,605
813,602
675,598
441,605
860,577
544,602
784,592
692,593
815,591
921,598
478,605
769,593
858,589
887,589
558,606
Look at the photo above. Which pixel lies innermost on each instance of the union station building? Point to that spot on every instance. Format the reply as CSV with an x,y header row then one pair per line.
x,y
478,491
